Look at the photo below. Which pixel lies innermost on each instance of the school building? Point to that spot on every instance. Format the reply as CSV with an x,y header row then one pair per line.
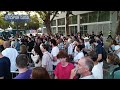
x,y
86,21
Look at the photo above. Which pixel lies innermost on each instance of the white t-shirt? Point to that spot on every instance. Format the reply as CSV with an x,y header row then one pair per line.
x,y
88,77
47,60
78,56
70,49
35,58
75,51
54,52
97,71
11,53
87,45
12,44
116,48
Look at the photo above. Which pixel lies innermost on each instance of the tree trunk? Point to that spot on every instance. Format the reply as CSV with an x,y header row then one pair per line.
x,y
67,23
47,24
118,27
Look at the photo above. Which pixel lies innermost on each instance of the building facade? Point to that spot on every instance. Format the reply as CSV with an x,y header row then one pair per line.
x,y
86,22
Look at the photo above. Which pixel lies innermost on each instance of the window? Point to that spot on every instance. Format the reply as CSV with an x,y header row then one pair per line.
x,y
61,21
53,23
61,30
73,19
53,29
73,29
83,29
93,16
84,18
104,16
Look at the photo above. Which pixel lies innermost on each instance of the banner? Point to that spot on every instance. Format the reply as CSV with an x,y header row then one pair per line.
x,y
19,18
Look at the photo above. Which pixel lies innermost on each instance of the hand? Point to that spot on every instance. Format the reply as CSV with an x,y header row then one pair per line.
x,y
73,73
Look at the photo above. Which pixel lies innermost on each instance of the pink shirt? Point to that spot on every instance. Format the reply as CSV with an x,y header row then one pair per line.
x,y
63,72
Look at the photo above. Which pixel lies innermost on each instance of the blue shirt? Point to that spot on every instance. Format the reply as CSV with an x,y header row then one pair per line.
x,y
99,49
24,75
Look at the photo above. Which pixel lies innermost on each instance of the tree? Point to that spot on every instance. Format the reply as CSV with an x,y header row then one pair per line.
x,y
118,27
45,15
68,13
3,24
33,23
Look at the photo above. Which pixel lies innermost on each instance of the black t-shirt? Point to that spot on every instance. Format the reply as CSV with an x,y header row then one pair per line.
x,y
100,50
5,68
30,45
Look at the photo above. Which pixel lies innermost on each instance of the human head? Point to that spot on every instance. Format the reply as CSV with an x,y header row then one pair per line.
x,y
112,58
93,56
43,47
95,42
75,43
79,48
63,56
97,37
114,42
6,44
69,40
22,61
38,51
85,66
39,73
23,49
53,42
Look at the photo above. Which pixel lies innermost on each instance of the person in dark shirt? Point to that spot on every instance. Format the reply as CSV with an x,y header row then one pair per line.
x,y
30,45
4,67
100,52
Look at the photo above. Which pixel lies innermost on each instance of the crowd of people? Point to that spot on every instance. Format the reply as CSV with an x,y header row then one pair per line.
x,y
59,57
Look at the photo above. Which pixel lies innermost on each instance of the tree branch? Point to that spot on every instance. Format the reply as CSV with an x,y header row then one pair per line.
x,y
53,16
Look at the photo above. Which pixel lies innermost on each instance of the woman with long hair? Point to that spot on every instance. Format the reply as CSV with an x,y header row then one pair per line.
x,y
37,56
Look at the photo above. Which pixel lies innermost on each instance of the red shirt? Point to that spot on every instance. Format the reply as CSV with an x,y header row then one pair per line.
x,y
63,72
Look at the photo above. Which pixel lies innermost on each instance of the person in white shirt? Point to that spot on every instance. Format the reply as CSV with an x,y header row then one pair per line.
x,y
75,52
97,69
13,43
80,53
85,66
70,49
46,58
87,44
11,53
54,52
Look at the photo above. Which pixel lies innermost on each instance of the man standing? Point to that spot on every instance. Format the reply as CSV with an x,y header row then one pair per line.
x,y
11,53
46,58
85,66
54,52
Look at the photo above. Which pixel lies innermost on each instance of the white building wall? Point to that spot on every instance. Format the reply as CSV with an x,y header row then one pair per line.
x,y
63,14
96,26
